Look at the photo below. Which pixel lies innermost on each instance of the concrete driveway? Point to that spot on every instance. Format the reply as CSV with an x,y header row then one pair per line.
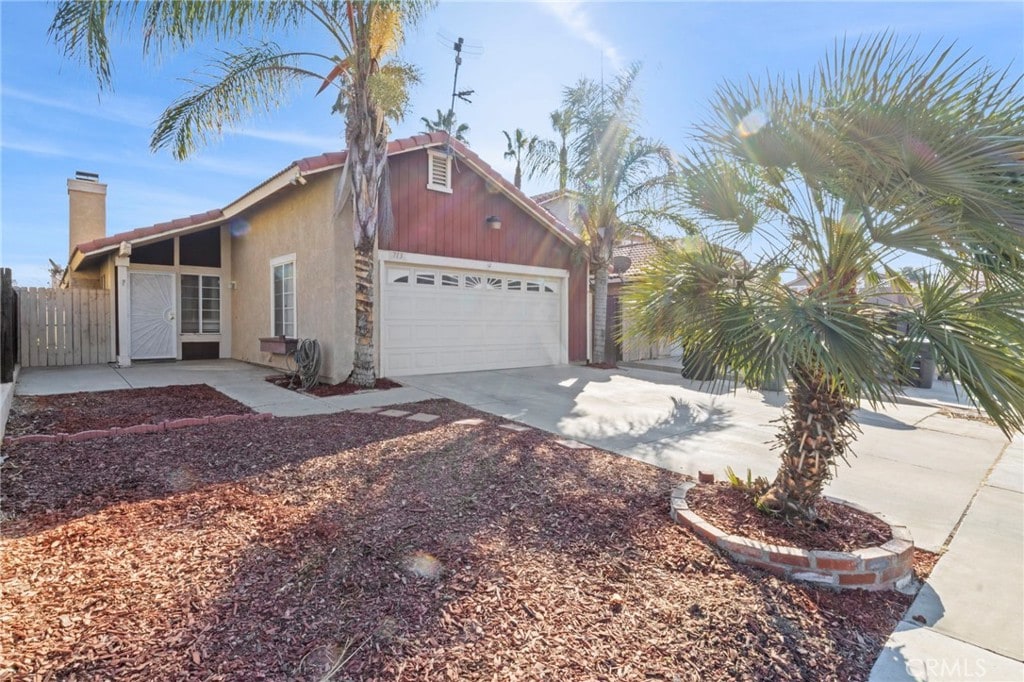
x,y
664,420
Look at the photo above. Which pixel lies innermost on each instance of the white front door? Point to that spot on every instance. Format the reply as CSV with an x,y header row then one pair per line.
x,y
444,319
152,314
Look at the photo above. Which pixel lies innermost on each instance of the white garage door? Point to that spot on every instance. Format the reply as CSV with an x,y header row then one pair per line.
x,y
436,319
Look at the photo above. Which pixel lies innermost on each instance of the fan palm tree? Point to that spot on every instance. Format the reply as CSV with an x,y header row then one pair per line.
x,y
521,149
257,78
618,178
445,123
883,152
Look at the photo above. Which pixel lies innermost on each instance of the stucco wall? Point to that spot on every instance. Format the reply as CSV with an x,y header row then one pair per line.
x,y
87,212
298,221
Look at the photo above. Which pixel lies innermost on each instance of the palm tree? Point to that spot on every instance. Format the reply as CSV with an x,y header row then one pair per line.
x,y
561,122
550,154
618,177
521,149
257,78
444,123
883,152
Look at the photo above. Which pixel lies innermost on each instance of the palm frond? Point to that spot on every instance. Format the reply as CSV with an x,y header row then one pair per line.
x,y
389,88
250,81
978,338
80,28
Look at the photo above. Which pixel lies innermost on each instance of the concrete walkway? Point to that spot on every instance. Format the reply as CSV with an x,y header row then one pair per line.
x,y
239,380
957,484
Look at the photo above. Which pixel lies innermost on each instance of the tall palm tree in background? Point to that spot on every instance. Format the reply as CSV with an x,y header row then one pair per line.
x,y
250,79
445,123
561,123
521,149
883,152
619,179
552,154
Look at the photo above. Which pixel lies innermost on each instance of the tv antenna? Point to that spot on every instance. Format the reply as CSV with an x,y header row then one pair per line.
x,y
460,46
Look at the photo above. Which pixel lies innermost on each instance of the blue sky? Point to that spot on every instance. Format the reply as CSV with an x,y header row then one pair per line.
x,y
54,121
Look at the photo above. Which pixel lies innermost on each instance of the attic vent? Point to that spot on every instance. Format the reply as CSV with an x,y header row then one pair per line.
x,y
87,176
439,171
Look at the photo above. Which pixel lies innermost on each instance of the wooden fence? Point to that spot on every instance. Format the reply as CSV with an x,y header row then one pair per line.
x,y
8,327
60,327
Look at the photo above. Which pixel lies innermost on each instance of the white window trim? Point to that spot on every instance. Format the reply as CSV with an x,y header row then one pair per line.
x,y
204,272
274,262
431,155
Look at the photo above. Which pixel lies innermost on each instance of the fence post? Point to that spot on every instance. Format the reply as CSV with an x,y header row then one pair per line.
x,y
8,330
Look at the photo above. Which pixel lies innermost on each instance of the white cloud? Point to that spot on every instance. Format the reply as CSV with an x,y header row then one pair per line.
x,y
42,148
133,111
321,143
574,16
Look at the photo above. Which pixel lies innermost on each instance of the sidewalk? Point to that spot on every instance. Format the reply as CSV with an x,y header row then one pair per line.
x,y
972,604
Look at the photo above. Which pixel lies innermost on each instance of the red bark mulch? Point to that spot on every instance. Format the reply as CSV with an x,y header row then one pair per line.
x,y
387,549
327,390
74,412
845,529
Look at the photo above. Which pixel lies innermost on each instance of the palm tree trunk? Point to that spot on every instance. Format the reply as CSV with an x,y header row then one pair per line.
x,y
563,167
518,181
367,149
363,370
600,311
817,427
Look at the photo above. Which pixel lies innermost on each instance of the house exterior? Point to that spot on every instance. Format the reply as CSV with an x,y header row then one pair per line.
x,y
629,256
475,275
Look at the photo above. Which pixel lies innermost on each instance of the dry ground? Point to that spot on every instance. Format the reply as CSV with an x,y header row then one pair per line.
x,y
372,548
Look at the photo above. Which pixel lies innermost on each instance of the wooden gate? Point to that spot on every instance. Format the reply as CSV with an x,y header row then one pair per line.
x,y
60,327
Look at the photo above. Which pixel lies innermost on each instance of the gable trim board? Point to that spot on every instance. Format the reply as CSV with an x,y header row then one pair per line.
x,y
441,314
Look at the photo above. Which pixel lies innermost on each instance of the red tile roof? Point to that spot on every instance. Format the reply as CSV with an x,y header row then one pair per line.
x,y
638,253
545,197
151,231
330,160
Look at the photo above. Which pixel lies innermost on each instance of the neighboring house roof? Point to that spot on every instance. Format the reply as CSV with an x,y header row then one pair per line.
x,y
562,205
545,197
639,254
310,166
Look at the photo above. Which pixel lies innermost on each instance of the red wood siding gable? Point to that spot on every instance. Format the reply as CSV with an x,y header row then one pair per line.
x,y
453,225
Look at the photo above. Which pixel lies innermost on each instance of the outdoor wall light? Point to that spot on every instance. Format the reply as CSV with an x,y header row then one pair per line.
x,y
493,222
298,179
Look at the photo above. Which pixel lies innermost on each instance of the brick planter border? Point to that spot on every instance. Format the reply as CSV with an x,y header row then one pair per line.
x,y
886,567
166,425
